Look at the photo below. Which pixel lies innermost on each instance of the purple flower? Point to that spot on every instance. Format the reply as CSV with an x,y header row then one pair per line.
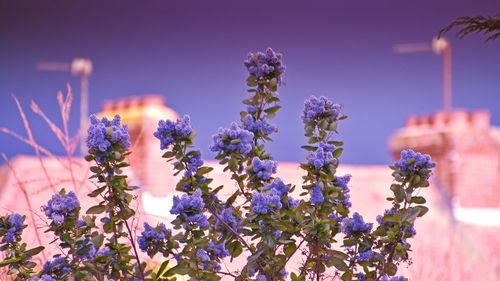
x,y
355,225
279,186
409,231
86,250
190,208
61,207
169,131
104,252
193,163
292,203
233,139
80,223
103,134
317,195
268,64
218,250
58,267
361,276
338,219
261,277
14,228
342,182
266,201
260,126
323,156
152,239
227,215
203,255
394,278
263,168
414,162
365,256
317,108
44,277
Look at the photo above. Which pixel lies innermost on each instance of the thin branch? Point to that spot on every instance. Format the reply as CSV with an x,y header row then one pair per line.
x,y
32,141
27,198
486,25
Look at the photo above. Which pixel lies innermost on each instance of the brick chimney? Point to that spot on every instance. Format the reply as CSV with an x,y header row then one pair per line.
x,y
466,149
141,114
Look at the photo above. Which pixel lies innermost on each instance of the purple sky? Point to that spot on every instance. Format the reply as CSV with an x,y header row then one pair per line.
x,y
192,53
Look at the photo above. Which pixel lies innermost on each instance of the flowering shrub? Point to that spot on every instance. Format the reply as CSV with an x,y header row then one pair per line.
x,y
263,220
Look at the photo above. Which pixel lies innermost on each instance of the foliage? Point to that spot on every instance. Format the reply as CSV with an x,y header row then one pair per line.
x,y
486,25
260,221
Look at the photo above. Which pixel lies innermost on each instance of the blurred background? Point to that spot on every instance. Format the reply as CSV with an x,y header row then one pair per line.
x,y
161,59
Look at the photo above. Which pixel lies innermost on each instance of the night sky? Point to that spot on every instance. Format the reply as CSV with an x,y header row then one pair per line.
x,y
192,52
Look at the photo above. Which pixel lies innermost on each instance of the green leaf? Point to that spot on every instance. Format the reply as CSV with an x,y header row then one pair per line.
x,y
422,210
272,110
411,214
309,147
168,154
12,260
235,248
339,263
97,209
289,249
34,251
418,200
95,169
399,192
338,152
204,170
162,268
347,276
96,192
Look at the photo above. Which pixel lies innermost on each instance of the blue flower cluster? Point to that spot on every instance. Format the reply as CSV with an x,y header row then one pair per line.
x,y
264,64
14,228
60,207
412,161
263,169
261,277
151,239
169,131
317,195
44,277
316,108
342,182
409,231
86,250
355,225
104,252
280,187
367,255
193,163
102,134
58,268
233,139
227,215
394,278
266,201
218,250
190,208
338,219
322,157
260,126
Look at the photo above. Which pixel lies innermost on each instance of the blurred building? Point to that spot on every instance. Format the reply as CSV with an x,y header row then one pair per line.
x,y
457,240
